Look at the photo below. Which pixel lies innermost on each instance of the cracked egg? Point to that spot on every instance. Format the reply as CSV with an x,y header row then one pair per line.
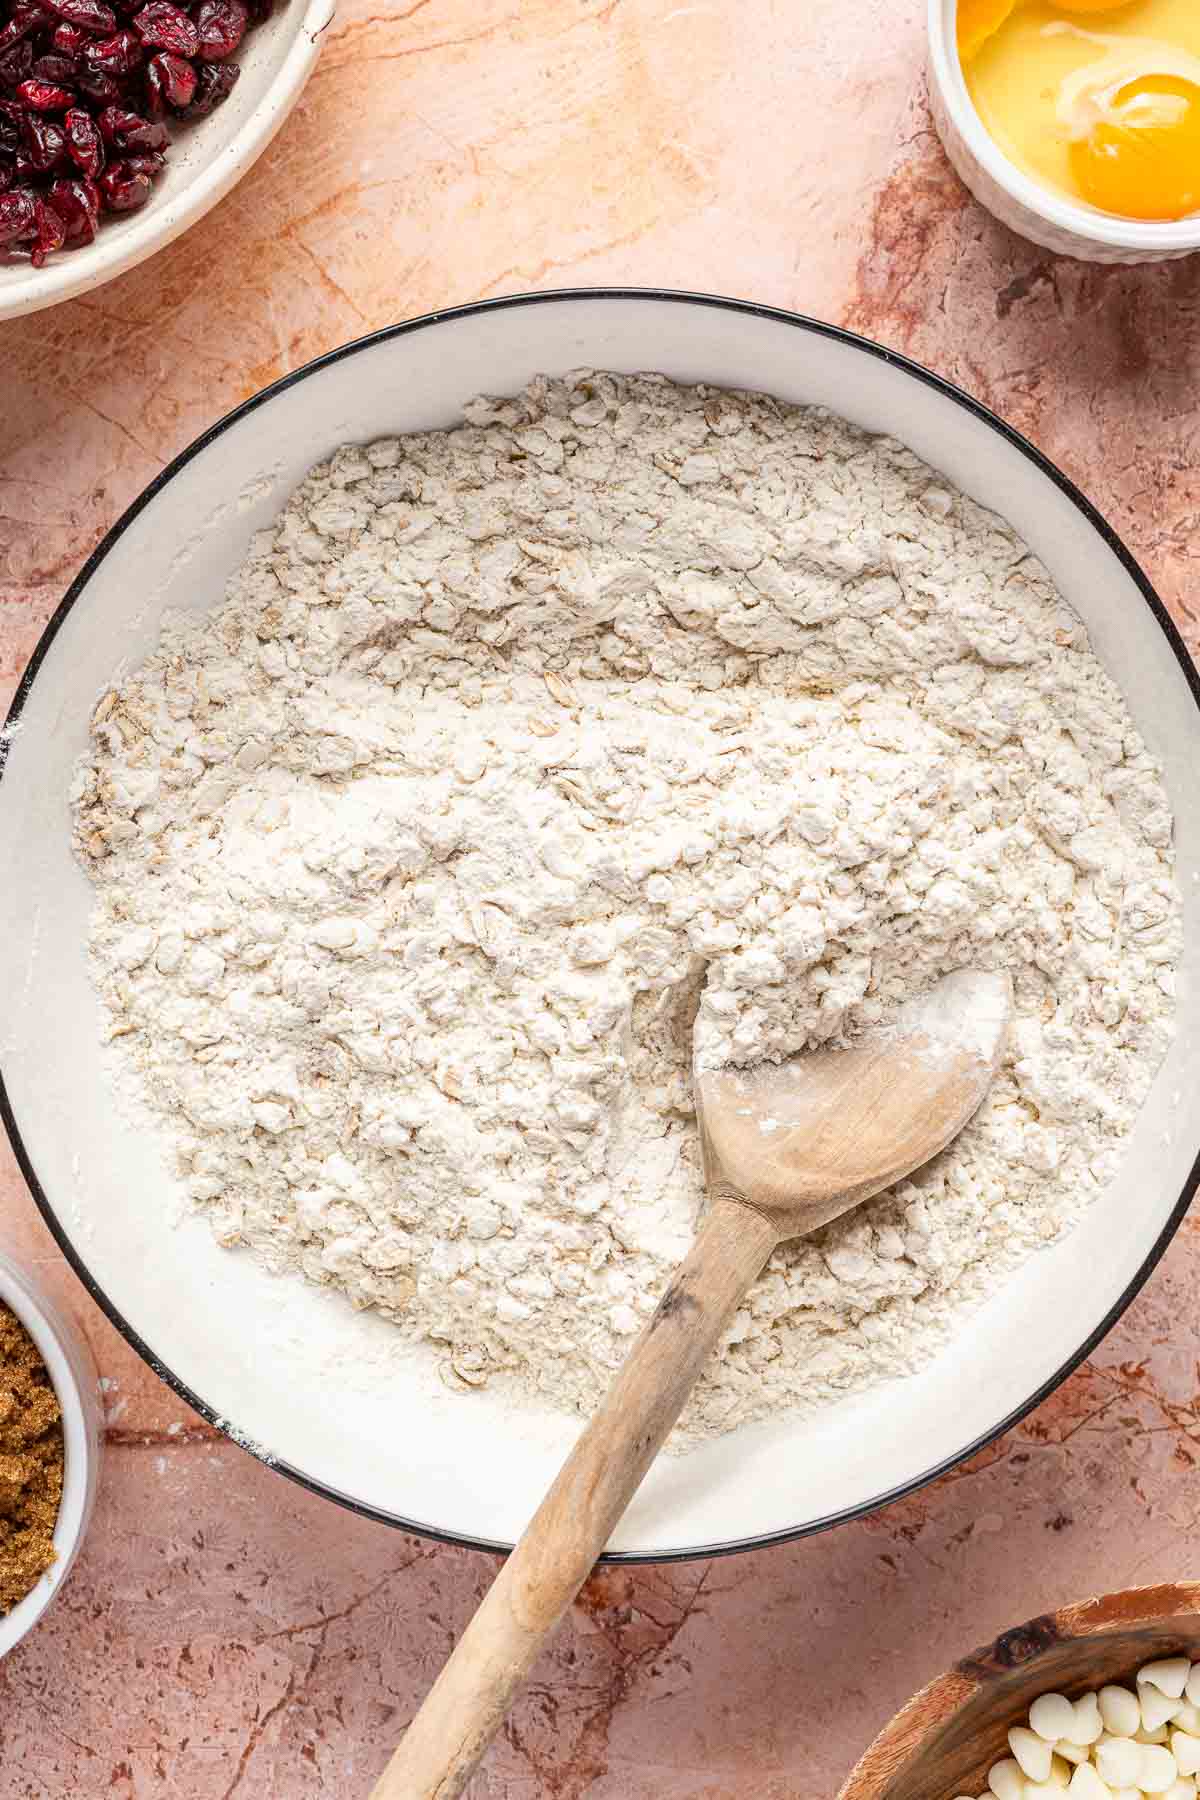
x,y
1099,101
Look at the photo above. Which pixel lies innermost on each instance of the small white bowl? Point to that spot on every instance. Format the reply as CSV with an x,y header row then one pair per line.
x,y
1036,212
73,1373
204,162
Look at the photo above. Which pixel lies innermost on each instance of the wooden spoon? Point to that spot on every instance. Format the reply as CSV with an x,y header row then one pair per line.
x,y
787,1148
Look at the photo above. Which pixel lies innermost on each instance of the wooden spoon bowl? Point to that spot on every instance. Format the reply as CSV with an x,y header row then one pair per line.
x,y
944,1741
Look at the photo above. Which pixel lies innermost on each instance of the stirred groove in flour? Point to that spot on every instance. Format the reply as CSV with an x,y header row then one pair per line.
x,y
513,750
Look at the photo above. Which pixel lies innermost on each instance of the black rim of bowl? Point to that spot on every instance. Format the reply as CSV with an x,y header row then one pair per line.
x,y
558,297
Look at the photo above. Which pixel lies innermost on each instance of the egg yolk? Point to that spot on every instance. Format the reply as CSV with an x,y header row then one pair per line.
x,y
1088,6
978,20
1143,160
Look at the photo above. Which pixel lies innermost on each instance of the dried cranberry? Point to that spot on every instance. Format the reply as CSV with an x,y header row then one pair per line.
x,y
150,135
44,96
154,97
146,162
166,27
18,216
77,204
112,123
68,40
23,22
96,86
84,145
123,130
59,69
120,54
176,80
50,234
122,189
222,26
89,15
45,144
217,81
16,63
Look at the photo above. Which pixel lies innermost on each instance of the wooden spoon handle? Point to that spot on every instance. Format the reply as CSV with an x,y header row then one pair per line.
x,y
468,1702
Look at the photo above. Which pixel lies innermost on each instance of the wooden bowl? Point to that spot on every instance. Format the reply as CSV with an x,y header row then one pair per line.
x,y
945,1740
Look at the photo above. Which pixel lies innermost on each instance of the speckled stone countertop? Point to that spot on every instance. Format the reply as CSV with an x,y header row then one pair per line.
x,y
226,1634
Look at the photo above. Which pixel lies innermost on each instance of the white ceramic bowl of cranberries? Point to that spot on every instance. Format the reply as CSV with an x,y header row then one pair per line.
x,y
123,121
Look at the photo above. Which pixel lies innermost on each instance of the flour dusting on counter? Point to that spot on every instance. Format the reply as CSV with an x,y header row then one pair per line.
x,y
512,751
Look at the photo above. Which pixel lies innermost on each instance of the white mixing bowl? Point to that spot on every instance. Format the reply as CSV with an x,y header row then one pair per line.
x,y
321,1390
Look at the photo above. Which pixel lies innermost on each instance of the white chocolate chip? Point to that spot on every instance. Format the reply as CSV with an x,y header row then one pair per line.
x,y
1156,1706
1120,1711
1006,1781
1158,1769
1169,1676
1052,1717
1072,1753
1058,1782
1032,1752
1087,1785
1086,1725
1119,1761
1186,1751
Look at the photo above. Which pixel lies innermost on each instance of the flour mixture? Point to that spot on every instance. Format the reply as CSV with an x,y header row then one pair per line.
x,y
515,749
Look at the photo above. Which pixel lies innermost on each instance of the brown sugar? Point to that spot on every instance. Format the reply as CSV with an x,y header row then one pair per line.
x,y
31,1463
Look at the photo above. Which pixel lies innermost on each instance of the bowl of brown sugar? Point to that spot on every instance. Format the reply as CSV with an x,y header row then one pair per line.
x,y
49,1449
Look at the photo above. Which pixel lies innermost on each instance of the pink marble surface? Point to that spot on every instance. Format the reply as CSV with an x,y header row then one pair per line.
x,y
227,1634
